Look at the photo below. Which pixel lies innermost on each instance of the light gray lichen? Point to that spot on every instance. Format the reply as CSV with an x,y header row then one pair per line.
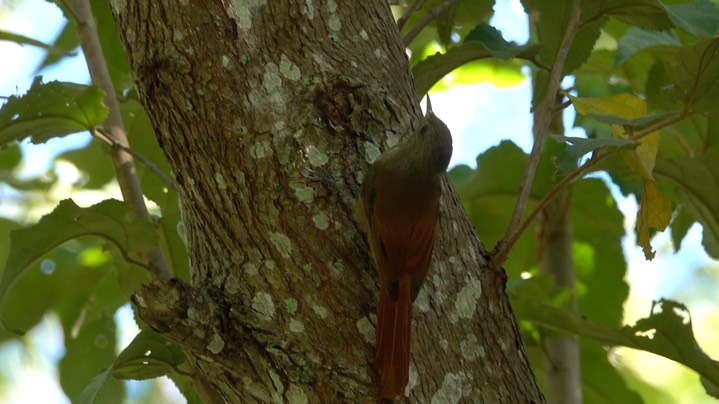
x,y
466,302
295,395
216,344
288,69
220,179
452,389
321,221
316,157
366,328
371,152
320,311
264,306
282,243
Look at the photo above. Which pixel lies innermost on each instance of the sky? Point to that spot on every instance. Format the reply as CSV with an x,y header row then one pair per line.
x,y
479,116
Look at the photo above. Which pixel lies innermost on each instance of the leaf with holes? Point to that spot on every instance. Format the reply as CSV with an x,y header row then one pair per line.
x,y
148,356
51,110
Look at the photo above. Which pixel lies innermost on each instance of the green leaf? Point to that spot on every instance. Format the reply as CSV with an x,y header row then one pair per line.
x,y
693,136
649,14
51,110
60,284
429,71
23,40
551,26
110,219
9,158
620,109
493,42
697,183
148,356
186,387
67,40
130,276
697,75
712,389
666,332
579,147
680,225
142,139
90,393
94,161
173,245
86,353
489,193
600,379
699,17
600,268
636,40
112,48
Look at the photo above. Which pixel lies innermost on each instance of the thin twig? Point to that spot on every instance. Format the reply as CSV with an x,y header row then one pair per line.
x,y
122,160
542,120
596,158
406,13
107,138
426,20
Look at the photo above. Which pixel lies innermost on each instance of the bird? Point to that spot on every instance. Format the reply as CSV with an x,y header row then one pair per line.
x,y
399,210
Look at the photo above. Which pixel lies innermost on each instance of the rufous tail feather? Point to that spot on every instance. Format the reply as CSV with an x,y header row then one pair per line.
x,y
394,324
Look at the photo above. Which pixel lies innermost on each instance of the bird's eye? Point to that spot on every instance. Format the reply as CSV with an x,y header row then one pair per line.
x,y
423,129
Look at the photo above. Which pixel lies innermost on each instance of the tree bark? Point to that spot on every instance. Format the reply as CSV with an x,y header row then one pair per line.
x,y
269,114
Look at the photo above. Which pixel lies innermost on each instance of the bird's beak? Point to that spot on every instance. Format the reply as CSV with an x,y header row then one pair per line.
x,y
429,106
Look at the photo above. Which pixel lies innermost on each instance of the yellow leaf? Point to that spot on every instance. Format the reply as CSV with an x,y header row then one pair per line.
x,y
623,105
641,160
655,211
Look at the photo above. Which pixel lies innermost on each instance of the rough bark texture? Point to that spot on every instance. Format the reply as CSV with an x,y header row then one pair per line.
x,y
269,113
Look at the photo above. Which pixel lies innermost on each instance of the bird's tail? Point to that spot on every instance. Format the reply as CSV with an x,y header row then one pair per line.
x,y
394,321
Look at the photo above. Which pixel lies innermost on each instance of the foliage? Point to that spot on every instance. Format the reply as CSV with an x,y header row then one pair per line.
x,y
646,93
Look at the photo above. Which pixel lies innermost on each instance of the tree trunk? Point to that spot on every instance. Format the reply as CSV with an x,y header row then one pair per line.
x,y
269,114
561,365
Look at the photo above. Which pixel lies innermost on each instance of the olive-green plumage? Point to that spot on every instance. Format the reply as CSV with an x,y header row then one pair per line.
x,y
400,205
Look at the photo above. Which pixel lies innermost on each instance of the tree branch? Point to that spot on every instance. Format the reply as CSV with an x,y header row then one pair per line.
x,y
122,160
596,158
542,120
426,20
406,13
107,138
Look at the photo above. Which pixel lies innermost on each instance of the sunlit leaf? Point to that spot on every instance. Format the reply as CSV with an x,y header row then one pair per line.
x,y
110,219
579,147
432,69
655,211
23,40
51,110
